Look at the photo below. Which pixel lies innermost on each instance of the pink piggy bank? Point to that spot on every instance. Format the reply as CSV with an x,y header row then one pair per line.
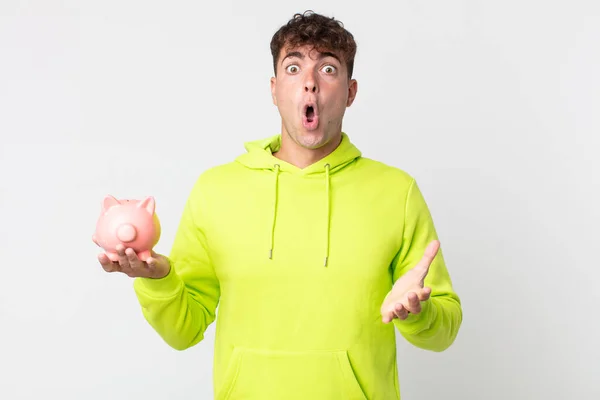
x,y
132,223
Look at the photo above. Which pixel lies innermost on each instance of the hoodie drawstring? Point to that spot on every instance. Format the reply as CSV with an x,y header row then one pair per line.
x,y
274,210
327,208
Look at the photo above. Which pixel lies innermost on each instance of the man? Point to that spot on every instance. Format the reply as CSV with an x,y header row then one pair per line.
x,y
309,249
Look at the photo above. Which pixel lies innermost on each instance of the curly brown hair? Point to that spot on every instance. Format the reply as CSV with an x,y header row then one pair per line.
x,y
321,32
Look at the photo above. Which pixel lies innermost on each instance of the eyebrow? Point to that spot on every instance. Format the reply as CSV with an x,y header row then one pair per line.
x,y
299,55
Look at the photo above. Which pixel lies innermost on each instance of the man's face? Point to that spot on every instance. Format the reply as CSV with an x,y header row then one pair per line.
x,y
311,91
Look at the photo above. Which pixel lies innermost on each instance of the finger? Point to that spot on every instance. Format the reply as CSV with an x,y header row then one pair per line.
x,y
429,255
400,311
107,264
425,294
123,260
151,262
135,263
414,304
387,318
430,252
388,315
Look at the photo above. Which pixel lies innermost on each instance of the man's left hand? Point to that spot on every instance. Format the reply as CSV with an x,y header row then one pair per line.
x,y
408,292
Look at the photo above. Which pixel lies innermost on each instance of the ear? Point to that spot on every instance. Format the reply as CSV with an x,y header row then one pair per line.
x,y
149,204
352,89
108,202
273,87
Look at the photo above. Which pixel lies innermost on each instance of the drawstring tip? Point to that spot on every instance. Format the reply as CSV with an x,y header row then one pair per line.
x,y
270,254
325,264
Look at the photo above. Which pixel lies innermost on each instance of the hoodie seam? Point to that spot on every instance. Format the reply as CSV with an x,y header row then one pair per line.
x,y
398,258
406,205
201,196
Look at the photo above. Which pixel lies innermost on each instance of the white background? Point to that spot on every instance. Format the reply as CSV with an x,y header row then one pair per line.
x,y
492,105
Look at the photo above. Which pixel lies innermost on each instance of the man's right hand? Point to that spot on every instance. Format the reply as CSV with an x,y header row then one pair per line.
x,y
156,266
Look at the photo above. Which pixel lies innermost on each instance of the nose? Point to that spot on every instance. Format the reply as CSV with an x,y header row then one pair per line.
x,y
310,85
126,233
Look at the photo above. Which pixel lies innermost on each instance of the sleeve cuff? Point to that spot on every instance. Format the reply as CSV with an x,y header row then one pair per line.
x,y
416,323
166,286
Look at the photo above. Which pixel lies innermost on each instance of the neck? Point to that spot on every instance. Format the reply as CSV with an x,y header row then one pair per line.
x,y
301,157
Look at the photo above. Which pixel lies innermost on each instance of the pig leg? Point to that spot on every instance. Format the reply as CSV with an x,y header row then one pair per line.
x,y
144,255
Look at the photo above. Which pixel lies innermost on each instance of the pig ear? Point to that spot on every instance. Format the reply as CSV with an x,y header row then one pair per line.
x,y
148,203
108,202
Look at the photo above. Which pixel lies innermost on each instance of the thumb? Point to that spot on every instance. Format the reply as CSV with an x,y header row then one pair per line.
x,y
429,255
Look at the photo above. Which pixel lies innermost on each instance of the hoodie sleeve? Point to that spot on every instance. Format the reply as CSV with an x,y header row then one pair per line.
x,y
181,305
436,327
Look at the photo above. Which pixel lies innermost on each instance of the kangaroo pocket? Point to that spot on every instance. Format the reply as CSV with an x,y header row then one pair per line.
x,y
276,375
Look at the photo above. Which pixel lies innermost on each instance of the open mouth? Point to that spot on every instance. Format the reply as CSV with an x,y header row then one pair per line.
x,y
310,118
310,113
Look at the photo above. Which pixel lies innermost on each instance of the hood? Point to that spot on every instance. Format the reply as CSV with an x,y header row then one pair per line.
x,y
259,155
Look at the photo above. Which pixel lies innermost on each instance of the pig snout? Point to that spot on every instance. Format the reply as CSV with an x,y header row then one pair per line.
x,y
126,233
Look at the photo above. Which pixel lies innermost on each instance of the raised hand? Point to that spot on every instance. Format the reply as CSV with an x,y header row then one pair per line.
x,y
156,266
408,292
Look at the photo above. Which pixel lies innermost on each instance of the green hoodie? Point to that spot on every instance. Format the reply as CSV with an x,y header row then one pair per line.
x,y
299,262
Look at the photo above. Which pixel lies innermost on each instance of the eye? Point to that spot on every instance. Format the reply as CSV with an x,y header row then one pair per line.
x,y
329,69
292,69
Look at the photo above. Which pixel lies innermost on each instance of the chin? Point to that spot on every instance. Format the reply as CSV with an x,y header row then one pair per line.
x,y
311,139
